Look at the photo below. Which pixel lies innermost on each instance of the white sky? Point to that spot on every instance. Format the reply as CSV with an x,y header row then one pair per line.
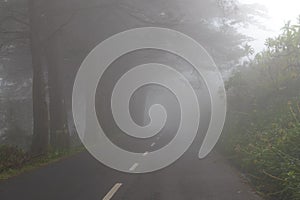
x,y
279,11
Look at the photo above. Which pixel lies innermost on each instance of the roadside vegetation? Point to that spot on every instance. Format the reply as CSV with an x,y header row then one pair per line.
x,y
262,133
15,161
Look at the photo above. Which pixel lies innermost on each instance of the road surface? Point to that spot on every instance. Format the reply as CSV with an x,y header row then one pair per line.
x,y
81,177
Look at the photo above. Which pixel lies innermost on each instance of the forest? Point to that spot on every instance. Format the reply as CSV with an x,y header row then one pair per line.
x,y
43,43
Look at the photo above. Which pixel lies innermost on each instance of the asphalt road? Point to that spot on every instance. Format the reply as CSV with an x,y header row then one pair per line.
x,y
81,177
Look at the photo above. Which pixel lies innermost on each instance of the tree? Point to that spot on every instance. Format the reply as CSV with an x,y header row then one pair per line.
x,y
55,25
48,45
70,31
262,131
15,34
40,139
59,134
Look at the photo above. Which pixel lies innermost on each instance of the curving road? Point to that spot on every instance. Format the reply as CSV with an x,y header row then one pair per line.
x,y
81,177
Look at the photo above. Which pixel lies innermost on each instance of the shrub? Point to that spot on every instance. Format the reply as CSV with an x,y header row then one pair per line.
x,y
11,157
270,154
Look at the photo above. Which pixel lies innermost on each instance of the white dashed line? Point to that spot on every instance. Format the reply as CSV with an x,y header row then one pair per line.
x,y
152,144
146,153
133,167
112,191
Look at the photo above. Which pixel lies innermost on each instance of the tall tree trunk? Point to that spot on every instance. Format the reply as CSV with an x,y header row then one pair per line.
x,y
48,53
59,134
40,139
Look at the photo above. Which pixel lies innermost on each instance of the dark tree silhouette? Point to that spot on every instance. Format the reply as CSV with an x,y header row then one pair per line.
x,y
40,110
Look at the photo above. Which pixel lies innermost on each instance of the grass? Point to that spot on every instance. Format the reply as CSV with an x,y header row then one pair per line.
x,y
35,163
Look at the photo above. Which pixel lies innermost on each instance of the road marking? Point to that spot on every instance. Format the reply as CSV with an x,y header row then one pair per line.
x,y
112,191
152,144
146,153
134,166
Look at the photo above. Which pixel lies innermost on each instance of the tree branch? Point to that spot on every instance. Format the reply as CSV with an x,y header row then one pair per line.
x,y
19,20
11,17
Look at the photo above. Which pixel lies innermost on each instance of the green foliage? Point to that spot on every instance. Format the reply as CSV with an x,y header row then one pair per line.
x,y
271,156
11,158
14,161
262,132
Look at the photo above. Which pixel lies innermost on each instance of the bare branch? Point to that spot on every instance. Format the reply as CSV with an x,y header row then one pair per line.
x,y
19,20
11,17
14,32
61,26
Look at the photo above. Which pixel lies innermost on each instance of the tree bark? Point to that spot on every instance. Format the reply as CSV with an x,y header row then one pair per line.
x,y
59,134
40,139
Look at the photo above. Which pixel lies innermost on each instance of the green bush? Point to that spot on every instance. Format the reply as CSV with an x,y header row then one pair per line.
x,y
11,158
262,132
269,154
